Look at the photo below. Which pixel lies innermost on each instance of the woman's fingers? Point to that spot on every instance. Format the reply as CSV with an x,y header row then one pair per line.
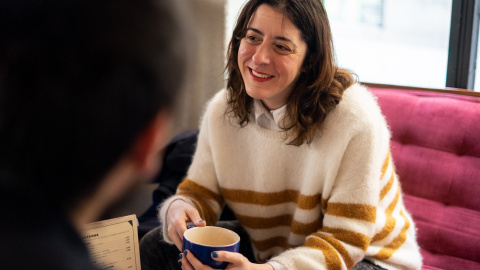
x,y
234,258
194,216
185,263
178,214
194,263
176,238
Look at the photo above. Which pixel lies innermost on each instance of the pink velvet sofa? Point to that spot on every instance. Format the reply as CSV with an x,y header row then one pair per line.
x,y
436,149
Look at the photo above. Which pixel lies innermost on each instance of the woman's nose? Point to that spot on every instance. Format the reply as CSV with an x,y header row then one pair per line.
x,y
262,55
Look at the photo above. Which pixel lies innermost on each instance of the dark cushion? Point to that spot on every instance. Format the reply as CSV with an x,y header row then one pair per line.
x,y
436,150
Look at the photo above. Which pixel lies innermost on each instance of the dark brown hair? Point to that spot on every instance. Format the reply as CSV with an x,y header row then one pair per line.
x,y
321,84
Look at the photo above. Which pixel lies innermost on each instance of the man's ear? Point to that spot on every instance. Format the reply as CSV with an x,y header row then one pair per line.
x,y
146,154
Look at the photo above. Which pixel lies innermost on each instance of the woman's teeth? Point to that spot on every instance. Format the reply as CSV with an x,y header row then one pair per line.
x,y
264,76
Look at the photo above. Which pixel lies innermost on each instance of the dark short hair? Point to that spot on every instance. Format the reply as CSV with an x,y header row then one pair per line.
x,y
79,80
321,84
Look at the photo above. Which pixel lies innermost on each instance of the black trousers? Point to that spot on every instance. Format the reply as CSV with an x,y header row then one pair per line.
x,y
155,253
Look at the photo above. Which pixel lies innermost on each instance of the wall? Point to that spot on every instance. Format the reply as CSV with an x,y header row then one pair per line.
x,y
208,63
207,78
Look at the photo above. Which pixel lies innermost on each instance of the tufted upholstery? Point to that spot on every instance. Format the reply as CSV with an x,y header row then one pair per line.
x,y
436,149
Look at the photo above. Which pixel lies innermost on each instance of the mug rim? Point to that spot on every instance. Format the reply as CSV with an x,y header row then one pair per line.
x,y
215,227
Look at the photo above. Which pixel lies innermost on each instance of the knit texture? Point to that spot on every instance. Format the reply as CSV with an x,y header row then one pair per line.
x,y
326,205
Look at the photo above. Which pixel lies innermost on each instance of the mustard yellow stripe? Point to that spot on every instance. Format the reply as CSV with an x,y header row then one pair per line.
x,y
305,228
271,198
385,164
352,210
331,256
189,185
387,251
390,220
282,220
388,186
350,237
205,210
339,247
267,244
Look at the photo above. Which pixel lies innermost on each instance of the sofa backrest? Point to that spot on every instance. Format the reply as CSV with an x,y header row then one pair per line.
x,y
436,149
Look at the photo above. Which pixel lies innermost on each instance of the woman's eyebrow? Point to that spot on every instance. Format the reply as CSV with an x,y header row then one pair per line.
x,y
277,37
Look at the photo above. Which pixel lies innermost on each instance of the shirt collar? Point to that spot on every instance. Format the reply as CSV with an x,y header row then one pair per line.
x,y
274,115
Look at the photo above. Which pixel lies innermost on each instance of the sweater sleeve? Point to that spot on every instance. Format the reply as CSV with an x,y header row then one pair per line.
x,y
200,187
349,203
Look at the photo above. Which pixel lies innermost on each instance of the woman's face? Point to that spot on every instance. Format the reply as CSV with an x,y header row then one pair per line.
x,y
270,56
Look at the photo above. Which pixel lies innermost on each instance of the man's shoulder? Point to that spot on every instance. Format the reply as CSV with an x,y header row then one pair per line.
x,y
38,244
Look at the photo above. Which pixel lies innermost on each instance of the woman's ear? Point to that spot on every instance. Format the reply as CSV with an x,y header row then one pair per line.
x,y
146,153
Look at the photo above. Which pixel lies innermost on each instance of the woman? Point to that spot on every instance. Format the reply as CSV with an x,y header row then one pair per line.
x,y
298,151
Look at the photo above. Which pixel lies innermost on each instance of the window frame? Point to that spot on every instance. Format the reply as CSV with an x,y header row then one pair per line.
x,y
463,44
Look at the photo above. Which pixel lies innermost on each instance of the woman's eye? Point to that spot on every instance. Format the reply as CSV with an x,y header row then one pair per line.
x,y
282,48
252,38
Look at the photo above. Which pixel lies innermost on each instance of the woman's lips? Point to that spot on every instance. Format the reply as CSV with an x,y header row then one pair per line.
x,y
259,76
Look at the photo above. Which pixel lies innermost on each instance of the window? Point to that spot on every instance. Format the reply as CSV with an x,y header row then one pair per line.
x,y
392,42
420,43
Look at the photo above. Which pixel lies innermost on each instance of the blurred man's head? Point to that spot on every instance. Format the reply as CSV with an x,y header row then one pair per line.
x,y
84,84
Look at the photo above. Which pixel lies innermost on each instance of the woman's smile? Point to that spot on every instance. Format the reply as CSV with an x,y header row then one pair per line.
x,y
260,76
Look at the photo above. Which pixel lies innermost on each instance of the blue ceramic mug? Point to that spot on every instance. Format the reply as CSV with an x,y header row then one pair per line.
x,y
202,241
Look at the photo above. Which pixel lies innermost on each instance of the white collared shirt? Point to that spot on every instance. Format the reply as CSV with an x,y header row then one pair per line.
x,y
269,119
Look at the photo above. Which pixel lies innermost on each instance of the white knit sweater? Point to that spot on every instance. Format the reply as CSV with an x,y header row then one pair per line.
x,y
326,205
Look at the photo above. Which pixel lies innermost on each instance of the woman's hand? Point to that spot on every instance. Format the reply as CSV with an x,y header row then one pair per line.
x,y
236,262
178,214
